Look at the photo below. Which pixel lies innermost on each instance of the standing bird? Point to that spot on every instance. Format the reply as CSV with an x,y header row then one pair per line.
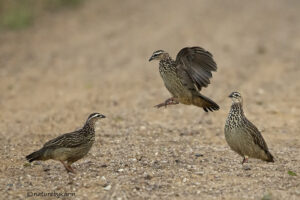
x,y
242,136
185,76
69,147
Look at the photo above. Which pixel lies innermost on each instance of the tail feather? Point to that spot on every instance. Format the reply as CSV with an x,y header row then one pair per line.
x,y
270,157
37,155
206,103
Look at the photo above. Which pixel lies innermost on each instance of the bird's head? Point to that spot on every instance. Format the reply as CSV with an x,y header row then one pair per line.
x,y
94,117
236,97
159,55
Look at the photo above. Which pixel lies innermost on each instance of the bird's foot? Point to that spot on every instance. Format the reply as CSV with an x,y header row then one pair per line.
x,y
68,167
71,170
170,101
245,160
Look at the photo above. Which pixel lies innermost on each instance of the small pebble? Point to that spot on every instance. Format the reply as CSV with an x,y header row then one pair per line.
x,y
107,188
246,167
198,155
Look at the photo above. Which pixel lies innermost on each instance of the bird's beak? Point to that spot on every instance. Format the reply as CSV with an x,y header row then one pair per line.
x,y
230,96
102,116
151,58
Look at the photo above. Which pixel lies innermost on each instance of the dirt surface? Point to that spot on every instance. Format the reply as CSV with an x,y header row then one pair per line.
x,y
95,58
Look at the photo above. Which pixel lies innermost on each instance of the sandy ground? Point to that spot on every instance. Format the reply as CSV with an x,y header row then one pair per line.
x,y
95,58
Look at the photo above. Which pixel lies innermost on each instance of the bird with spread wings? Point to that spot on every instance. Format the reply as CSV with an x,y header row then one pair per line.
x,y
185,76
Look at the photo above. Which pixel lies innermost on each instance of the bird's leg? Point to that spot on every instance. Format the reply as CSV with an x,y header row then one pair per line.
x,y
68,167
245,160
170,101
65,165
71,169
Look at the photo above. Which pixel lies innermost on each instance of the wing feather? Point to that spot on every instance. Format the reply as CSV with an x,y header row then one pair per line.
x,y
198,63
68,140
256,135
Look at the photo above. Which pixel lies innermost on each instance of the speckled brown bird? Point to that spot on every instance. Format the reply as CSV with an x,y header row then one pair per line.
x,y
242,136
69,147
185,76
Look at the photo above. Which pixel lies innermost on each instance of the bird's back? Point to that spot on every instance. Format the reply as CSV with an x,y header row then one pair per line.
x,y
70,140
70,146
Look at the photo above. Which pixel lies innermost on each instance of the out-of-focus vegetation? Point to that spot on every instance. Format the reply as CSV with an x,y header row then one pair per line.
x,y
19,14
291,173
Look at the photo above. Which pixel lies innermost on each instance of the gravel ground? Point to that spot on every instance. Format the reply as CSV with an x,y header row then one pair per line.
x,y
95,58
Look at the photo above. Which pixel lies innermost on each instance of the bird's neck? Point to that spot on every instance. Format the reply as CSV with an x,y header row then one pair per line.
x,y
235,116
166,60
237,109
89,127
166,63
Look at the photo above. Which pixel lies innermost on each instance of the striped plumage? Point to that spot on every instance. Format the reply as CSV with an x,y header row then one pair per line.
x,y
69,147
242,136
185,76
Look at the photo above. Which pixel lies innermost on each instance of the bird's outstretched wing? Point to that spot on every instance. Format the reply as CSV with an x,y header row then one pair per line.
x,y
198,65
68,140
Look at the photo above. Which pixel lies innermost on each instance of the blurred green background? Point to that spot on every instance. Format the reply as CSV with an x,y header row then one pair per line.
x,y
19,14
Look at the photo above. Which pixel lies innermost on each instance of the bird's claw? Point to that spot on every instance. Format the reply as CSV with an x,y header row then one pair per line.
x,y
170,101
245,160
